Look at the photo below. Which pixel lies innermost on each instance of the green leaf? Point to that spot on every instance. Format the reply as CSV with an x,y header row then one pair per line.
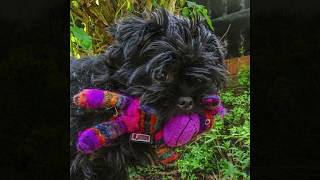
x,y
162,2
154,4
204,12
85,41
129,6
185,11
75,4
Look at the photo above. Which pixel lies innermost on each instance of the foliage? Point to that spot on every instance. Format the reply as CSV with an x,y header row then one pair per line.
x,y
224,151
244,76
89,19
193,10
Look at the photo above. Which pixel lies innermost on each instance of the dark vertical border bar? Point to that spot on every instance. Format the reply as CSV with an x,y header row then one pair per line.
x,y
34,80
285,88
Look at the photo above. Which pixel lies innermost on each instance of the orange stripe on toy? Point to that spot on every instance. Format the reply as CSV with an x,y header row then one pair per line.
x,y
211,118
153,122
142,116
158,135
107,99
114,99
101,138
82,99
162,150
170,159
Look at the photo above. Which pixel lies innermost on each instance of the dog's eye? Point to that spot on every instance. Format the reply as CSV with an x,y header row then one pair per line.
x,y
164,77
199,80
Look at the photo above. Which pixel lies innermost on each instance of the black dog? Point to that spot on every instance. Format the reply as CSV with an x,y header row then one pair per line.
x,y
169,62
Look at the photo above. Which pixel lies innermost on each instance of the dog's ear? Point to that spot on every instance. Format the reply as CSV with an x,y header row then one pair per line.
x,y
133,32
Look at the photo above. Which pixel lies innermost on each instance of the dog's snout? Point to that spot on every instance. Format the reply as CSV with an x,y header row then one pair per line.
x,y
185,103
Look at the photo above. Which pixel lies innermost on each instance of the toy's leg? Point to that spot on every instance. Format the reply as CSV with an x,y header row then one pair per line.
x,y
99,99
100,135
166,155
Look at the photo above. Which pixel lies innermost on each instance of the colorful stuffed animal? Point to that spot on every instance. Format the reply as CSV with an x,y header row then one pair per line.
x,y
142,124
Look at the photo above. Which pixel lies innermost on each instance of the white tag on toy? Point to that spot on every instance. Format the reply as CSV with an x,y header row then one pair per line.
x,y
140,137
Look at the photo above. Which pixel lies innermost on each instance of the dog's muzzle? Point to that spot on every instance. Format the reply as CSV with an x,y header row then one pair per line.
x,y
185,103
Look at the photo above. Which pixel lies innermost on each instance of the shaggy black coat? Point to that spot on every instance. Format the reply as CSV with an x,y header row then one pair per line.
x,y
157,57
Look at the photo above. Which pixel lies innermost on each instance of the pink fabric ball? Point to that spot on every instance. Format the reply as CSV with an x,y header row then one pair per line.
x,y
180,129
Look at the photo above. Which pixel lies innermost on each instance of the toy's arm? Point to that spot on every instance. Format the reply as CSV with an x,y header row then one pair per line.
x,y
213,107
100,135
99,99
213,104
104,133
166,155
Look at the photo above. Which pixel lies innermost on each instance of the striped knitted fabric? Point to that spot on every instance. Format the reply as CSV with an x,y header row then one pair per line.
x,y
98,99
100,135
166,155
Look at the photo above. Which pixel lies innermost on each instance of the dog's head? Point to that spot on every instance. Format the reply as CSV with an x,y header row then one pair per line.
x,y
170,62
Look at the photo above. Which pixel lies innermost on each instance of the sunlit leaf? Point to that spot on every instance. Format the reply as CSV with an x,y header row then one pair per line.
x,y
185,11
84,39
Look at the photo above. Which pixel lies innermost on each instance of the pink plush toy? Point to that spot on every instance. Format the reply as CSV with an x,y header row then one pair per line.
x,y
143,126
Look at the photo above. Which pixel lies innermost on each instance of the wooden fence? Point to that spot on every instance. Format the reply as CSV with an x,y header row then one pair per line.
x,y
234,64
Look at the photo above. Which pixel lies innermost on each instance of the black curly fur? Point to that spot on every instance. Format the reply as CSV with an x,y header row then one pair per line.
x,y
158,57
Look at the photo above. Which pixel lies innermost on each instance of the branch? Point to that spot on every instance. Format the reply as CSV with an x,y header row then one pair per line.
x,y
242,15
238,20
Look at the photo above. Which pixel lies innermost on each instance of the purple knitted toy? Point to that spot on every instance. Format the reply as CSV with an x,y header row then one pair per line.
x,y
178,131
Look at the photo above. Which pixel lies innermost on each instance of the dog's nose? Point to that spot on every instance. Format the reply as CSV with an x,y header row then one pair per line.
x,y
185,103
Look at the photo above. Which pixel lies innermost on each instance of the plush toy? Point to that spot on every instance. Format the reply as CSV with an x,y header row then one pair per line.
x,y
142,124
